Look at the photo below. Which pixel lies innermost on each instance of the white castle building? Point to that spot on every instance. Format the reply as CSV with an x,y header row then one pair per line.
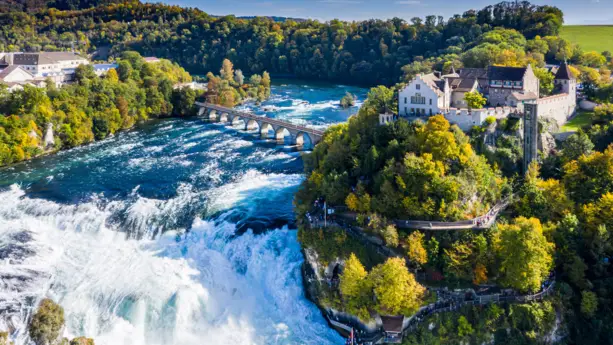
x,y
506,89
20,69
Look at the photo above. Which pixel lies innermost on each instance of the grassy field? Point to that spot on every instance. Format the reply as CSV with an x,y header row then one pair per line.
x,y
583,118
590,37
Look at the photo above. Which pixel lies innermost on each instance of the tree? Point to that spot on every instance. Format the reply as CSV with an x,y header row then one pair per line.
x,y
354,287
82,341
47,323
352,202
416,251
265,80
546,79
526,255
575,146
112,75
352,278
84,72
593,59
124,69
390,235
475,100
183,101
465,329
588,177
547,200
348,100
395,289
227,70
589,303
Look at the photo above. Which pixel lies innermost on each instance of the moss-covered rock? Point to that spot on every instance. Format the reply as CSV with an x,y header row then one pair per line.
x,y
47,323
4,339
82,341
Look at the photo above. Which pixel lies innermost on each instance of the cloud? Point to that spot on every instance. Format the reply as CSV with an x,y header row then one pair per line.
x,y
408,2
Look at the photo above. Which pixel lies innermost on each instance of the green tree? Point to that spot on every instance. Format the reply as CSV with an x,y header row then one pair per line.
x,y
475,100
589,303
575,146
546,79
465,329
348,100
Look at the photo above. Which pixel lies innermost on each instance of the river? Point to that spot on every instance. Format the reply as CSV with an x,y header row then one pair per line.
x,y
176,232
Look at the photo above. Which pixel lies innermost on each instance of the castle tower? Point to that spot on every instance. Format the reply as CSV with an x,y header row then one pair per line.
x,y
566,83
564,80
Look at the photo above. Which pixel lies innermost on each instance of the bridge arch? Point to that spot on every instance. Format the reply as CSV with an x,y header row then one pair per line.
x,y
304,139
265,129
252,125
281,133
224,117
237,120
212,114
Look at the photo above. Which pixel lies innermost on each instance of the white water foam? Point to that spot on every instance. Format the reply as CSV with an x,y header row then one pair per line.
x,y
209,288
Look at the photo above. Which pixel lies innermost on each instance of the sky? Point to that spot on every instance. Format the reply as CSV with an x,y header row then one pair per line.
x,y
575,11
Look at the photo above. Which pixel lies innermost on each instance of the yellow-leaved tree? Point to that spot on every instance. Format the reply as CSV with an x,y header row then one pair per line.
x,y
395,289
526,255
354,288
415,248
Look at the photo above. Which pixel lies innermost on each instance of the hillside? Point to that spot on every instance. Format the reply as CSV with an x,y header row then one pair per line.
x,y
590,37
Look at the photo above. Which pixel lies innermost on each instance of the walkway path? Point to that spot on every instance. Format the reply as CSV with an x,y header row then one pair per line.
x,y
482,222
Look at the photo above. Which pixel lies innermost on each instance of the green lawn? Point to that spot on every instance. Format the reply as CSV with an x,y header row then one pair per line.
x,y
590,37
583,118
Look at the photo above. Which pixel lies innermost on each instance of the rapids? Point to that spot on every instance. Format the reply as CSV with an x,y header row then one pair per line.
x,y
177,232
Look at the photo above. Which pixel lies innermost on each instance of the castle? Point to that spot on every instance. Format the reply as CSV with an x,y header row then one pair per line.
x,y
507,89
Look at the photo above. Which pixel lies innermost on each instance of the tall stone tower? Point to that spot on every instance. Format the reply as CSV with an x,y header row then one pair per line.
x,y
565,82
531,132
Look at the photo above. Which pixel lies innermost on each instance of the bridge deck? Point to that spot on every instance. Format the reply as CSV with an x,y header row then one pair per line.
x,y
272,121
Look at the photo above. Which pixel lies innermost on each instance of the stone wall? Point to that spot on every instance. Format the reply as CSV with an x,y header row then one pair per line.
x,y
466,119
558,107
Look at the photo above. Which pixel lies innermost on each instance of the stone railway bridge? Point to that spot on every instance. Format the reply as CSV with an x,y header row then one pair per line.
x,y
285,132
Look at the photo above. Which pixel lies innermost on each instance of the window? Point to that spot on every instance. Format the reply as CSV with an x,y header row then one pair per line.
x,y
405,100
430,112
418,99
417,87
430,101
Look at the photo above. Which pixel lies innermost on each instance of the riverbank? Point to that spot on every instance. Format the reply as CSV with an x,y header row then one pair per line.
x,y
174,219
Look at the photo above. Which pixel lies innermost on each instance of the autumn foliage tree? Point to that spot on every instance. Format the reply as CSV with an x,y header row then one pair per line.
x,y
416,250
388,289
526,254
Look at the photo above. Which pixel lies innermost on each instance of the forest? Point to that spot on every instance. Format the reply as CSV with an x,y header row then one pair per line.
x,y
369,52
91,108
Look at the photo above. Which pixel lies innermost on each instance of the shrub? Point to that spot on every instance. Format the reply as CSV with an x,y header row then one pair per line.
x,y
47,323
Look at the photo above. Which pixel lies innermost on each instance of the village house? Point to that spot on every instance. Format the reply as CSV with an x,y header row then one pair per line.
x,y
506,89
